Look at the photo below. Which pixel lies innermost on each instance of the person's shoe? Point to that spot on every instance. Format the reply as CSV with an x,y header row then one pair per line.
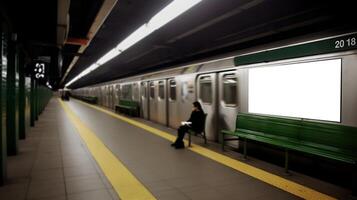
x,y
173,144
179,146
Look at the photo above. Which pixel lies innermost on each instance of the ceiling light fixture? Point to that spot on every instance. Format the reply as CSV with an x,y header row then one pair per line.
x,y
108,56
135,37
170,12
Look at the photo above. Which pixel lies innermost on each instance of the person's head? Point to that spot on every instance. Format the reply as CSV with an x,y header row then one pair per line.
x,y
197,106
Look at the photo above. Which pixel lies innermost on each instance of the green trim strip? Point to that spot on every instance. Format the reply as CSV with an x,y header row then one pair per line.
x,y
338,44
3,79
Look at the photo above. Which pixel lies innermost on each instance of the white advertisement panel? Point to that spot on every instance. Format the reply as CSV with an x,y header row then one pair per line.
x,y
305,90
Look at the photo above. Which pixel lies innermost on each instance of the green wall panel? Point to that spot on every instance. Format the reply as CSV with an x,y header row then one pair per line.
x,y
21,96
27,104
12,100
3,74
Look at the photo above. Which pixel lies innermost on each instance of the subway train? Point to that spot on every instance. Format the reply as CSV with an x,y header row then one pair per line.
x,y
317,77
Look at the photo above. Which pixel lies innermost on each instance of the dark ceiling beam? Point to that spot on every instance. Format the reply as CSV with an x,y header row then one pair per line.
x,y
103,13
64,53
62,21
77,41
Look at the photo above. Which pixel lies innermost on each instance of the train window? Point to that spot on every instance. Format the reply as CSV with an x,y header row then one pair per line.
x,y
184,91
206,89
161,90
230,89
143,90
126,92
172,90
152,90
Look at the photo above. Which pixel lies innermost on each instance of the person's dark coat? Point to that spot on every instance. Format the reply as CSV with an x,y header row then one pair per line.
x,y
197,119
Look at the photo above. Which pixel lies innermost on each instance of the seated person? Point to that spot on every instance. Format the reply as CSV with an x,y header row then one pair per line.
x,y
195,123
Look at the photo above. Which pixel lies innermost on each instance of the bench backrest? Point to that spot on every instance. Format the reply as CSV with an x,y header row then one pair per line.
x,y
204,122
328,134
90,99
133,104
265,124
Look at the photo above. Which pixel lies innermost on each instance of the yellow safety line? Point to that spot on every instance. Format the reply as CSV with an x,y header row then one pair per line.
x,y
123,181
274,180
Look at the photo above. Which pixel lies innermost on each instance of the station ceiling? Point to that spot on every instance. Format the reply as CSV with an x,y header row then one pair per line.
x,y
211,28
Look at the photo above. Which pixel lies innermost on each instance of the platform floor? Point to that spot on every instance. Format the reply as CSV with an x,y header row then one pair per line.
x,y
56,162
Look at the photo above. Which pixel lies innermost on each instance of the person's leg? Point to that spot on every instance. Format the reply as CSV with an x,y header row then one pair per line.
x,y
180,132
180,135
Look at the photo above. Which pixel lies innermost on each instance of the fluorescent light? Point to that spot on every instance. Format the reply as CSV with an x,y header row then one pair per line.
x,y
164,16
69,83
85,72
90,69
108,56
93,66
135,37
170,12
167,14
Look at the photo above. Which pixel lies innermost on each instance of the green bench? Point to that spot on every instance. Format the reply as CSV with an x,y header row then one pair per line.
x,y
128,107
332,141
88,99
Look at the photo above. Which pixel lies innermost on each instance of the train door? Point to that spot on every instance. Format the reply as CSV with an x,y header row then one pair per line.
x,y
105,96
228,103
107,92
136,92
144,108
113,96
207,96
109,96
152,101
173,116
116,94
161,102
100,95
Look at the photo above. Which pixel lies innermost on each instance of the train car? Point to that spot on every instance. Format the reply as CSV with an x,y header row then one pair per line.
x,y
227,86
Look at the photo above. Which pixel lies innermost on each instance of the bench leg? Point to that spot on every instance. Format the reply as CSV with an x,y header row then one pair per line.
x,y
287,162
245,148
204,135
189,139
354,180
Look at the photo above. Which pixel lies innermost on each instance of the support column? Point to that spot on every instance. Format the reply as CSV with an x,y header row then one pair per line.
x,y
11,108
36,101
22,97
32,102
3,75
